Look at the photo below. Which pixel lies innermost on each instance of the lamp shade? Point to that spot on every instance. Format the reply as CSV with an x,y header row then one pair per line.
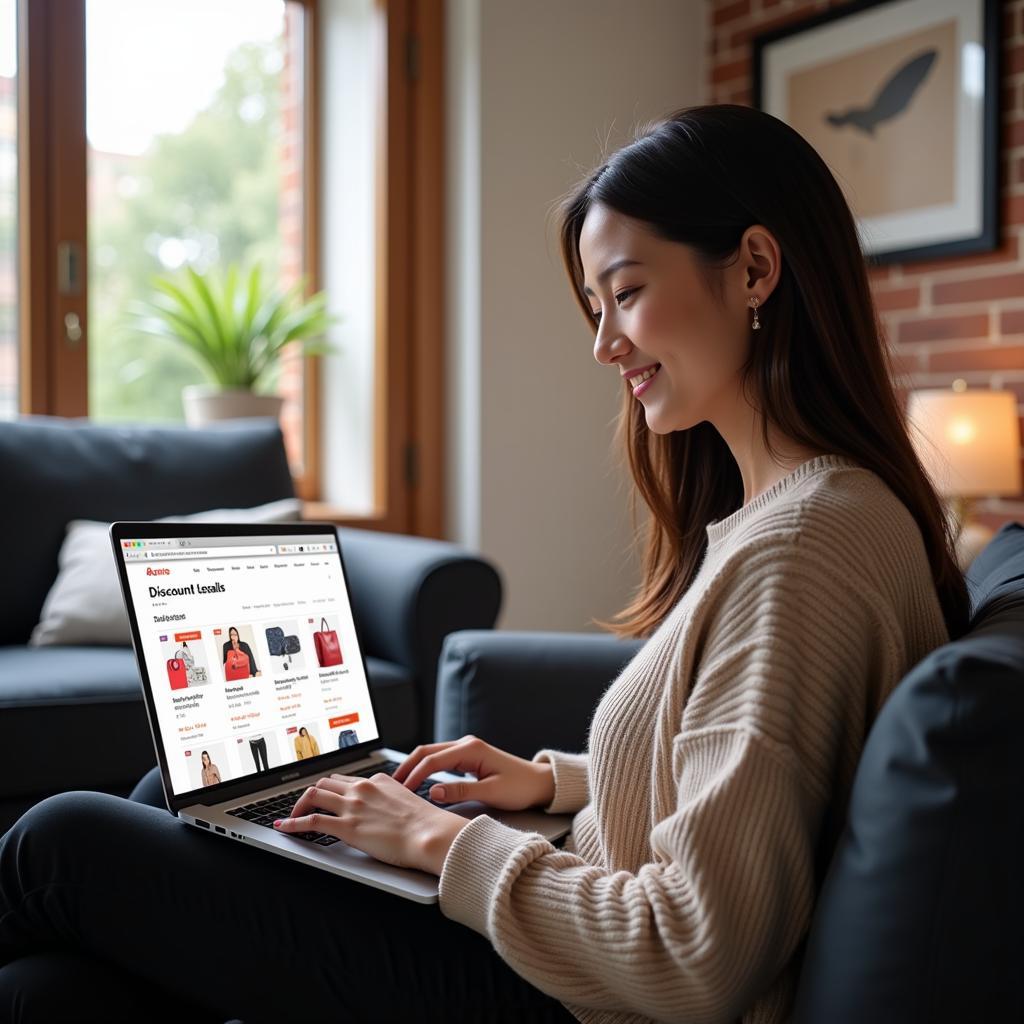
x,y
968,441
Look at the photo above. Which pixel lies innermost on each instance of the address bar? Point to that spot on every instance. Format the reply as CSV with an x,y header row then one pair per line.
x,y
225,552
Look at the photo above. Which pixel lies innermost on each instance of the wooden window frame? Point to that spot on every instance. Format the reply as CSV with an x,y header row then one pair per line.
x,y
409,344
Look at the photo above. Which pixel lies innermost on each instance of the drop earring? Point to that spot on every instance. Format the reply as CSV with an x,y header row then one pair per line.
x,y
756,325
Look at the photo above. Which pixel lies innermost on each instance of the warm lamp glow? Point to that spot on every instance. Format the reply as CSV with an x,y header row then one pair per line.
x,y
967,440
961,431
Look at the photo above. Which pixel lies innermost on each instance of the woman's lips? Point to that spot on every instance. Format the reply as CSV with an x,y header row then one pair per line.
x,y
641,388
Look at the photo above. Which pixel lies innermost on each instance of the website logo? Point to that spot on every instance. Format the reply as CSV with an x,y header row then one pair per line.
x,y
157,572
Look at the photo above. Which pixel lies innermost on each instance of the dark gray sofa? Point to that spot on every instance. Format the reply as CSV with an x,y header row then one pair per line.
x,y
918,920
72,717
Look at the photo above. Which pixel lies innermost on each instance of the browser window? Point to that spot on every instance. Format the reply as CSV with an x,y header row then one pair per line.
x,y
251,652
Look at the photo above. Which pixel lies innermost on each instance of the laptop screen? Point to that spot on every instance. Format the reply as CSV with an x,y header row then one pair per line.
x,y
251,652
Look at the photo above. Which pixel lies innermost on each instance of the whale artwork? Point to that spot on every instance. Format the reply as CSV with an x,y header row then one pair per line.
x,y
892,99
901,102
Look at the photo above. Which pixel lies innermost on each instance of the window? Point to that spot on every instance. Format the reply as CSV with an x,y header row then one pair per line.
x,y
195,139
200,169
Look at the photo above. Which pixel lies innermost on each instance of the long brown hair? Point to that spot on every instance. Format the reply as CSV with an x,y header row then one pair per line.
x,y
821,371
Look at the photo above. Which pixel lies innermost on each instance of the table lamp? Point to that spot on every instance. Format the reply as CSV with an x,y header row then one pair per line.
x,y
968,441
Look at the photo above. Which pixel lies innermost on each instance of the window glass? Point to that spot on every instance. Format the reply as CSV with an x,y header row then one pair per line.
x,y
8,211
194,121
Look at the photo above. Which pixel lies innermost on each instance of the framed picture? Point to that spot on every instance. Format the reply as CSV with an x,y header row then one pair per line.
x,y
901,100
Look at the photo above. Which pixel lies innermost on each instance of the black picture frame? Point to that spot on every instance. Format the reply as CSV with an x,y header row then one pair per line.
x,y
898,110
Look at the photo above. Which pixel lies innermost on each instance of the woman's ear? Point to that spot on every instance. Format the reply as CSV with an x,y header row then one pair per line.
x,y
761,261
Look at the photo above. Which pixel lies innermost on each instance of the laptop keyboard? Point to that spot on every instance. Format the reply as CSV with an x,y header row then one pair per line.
x,y
266,812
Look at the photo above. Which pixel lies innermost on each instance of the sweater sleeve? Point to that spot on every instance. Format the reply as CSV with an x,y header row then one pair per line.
x,y
572,789
692,936
707,925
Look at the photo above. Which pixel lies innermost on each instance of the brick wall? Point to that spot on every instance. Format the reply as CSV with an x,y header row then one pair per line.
x,y
944,318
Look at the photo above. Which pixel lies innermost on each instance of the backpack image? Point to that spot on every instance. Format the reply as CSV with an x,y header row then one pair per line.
x,y
195,674
282,646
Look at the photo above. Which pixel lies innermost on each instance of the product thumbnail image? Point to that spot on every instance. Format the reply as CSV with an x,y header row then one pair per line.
x,y
328,650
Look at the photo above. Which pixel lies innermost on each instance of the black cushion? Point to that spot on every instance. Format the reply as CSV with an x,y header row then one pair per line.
x,y
56,470
489,680
408,593
394,695
999,568
71,716
919,918
74,717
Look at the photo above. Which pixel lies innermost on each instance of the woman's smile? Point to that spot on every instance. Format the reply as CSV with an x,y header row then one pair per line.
x,y
645,380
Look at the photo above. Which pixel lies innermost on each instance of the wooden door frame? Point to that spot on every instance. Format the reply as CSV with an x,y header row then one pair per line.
x,y
409,355
53,372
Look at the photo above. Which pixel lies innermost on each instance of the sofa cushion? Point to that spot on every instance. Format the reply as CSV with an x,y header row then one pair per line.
x,y
394,694
488,681
919,916
84,605
73,717
70,718
57,470
999,568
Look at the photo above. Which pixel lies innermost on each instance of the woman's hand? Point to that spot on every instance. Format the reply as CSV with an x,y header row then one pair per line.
x,y
505,781
380,817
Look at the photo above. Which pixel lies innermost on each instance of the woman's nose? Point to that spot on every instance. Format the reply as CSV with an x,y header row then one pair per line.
x,y
610,345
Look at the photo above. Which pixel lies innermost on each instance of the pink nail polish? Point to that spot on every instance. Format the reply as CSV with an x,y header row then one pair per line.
x,y
277,824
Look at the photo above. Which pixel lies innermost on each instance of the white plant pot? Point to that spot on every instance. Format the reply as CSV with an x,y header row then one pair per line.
x,y
204,404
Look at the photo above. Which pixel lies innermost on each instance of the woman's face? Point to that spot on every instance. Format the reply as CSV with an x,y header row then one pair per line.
x,y
233,635
206,759
657,309
302,731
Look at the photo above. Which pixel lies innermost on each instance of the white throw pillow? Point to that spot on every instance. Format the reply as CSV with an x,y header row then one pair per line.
x,y
84,605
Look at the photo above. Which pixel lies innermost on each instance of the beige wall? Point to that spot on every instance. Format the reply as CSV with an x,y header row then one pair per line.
x,y
536,90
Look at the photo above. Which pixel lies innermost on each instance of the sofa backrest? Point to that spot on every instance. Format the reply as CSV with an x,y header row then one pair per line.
x,y
919,917
55,470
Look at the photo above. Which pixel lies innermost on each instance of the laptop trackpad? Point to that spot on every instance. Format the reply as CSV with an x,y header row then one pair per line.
x,y
467,808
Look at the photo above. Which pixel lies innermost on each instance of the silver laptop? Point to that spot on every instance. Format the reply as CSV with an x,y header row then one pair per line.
x,y
255,684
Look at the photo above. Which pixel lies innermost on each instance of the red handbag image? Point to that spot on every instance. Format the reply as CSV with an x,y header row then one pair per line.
x,y
236,665
176,673
328,650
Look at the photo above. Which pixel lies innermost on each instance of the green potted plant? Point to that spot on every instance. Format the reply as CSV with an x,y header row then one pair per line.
x,y
235,327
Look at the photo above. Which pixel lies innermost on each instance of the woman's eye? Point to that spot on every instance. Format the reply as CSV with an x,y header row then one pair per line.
x,y
619,299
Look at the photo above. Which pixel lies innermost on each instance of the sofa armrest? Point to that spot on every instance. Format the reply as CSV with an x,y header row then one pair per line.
x,y
524,691
408,594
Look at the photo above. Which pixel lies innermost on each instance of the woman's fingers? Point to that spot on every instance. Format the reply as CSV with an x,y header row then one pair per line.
x,y
318,809
428,765
325,794
315,822
454,755
416,756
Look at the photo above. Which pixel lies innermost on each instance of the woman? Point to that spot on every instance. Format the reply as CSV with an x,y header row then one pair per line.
x,y
235,648
211,773
306,745
797,563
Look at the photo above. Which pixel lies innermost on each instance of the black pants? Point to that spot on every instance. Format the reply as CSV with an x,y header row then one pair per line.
x,y
111,909
258,748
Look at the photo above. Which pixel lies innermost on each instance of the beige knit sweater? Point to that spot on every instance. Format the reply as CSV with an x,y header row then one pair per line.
x,y
685,889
